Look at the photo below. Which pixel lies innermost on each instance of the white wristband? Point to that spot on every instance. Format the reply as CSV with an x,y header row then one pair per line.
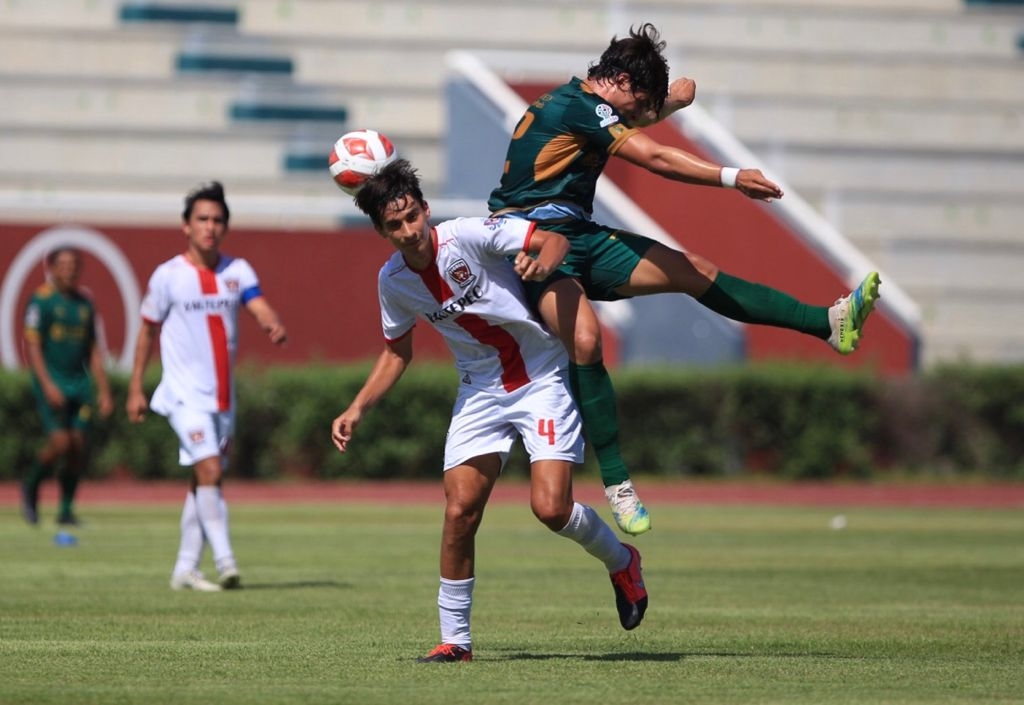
x,y
728,176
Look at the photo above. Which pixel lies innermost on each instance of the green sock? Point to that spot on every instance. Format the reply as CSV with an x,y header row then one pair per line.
x,y
35,477
68,485
747,302
595,397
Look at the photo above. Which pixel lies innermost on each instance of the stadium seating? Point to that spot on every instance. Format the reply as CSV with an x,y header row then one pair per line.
x,y
900,120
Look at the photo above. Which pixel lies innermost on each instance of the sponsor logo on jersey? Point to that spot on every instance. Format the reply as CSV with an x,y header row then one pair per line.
x,y
607,115
457,306
460,273
210,305
32,316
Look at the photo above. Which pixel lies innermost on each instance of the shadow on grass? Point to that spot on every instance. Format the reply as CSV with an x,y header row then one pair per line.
x,y
298,585
657,657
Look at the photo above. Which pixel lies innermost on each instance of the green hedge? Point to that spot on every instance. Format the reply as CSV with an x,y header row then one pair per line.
x,y
793,421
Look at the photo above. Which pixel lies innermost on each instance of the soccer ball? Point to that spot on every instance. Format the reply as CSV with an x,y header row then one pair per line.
x,y
358,155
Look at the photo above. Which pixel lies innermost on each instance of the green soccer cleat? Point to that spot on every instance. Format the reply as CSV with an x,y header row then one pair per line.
x,y
847,315
629,512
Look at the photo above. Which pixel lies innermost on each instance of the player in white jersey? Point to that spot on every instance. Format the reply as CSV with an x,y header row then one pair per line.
x,y
513,382
192,304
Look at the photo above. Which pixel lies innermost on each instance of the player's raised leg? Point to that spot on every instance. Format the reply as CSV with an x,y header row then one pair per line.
x,y
569,314
847,316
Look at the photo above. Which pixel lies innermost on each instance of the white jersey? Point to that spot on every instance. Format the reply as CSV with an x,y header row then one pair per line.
x,y
474,298
198,310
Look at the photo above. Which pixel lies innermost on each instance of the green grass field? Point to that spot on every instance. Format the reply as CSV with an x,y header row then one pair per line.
x,y
748,605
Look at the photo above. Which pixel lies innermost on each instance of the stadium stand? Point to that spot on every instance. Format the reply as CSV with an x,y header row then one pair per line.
x,y
898,120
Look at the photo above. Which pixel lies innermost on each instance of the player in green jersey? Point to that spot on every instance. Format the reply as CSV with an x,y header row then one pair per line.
x,y
557,152
60,341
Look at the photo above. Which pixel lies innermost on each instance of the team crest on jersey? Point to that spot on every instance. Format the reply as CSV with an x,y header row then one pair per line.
x,y
492,223
607,115
232,285
460,273
196,436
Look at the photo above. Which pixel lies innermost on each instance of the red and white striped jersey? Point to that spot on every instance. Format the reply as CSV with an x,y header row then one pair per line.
x,y
474,298
198,310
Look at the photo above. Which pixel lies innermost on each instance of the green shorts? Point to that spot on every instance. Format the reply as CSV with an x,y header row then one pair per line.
x,y
77,410
600,258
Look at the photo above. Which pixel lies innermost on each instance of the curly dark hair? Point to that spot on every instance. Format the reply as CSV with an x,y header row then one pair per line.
x,y
396,181
639,56
206,191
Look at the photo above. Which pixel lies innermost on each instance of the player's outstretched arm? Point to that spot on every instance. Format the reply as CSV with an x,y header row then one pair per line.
x,y
389,367
268,320
679,165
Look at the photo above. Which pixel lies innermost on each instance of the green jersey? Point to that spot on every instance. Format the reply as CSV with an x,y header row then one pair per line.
x,y
64,325
559,149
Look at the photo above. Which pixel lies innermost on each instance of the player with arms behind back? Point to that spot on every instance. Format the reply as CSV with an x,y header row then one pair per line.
x,y
512,372
192,304
556,154
60,342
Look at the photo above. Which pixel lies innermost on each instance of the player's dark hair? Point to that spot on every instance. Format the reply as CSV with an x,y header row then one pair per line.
x,y
396,181
639,56
52,255
207,191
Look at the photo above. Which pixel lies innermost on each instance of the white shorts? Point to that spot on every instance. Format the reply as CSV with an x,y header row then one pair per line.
x,y
542,413
202,434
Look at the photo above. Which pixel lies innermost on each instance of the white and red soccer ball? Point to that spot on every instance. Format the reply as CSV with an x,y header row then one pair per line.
x,y
358,155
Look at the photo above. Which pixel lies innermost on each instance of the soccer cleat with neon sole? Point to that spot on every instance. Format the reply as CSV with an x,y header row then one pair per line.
x,y
847,315
629,512
630,592
447,653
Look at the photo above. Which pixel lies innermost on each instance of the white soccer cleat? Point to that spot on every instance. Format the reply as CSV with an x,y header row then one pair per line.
x,y
629,512
229,579
193,580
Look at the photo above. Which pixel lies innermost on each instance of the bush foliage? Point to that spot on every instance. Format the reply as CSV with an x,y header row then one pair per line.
x,y
792,421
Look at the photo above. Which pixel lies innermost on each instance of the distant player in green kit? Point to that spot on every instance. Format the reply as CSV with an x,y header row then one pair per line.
x,y
556,154
60,341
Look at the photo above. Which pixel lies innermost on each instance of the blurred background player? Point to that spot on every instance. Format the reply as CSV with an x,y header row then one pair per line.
x,y
60,341
556,154
192,304
513,383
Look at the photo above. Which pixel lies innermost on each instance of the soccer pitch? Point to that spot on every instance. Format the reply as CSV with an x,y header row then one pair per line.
x,y
748,605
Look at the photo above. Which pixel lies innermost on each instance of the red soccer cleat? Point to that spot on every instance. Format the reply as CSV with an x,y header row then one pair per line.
x,y
630,593
447,653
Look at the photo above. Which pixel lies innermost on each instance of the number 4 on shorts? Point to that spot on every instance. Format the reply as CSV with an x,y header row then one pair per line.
x,y
546,429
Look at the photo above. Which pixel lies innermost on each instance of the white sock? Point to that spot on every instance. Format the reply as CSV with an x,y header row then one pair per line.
x,y
213,515
190,550
587,529
454,602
